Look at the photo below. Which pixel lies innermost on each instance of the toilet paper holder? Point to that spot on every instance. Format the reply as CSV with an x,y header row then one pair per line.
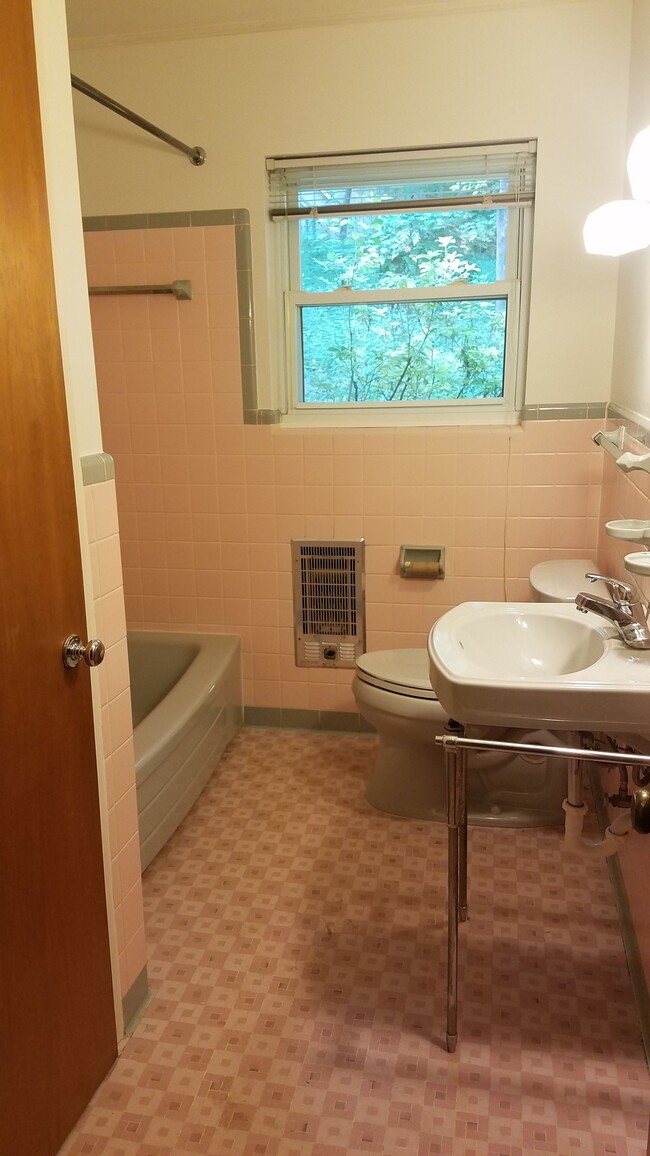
x,y
427,562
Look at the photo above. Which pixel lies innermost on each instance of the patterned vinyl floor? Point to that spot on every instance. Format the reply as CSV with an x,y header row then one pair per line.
x,y
297,952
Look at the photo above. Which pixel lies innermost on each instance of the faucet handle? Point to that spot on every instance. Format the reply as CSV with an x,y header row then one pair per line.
x,y
622,593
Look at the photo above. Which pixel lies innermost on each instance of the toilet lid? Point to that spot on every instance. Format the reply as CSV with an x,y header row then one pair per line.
x,y
399,671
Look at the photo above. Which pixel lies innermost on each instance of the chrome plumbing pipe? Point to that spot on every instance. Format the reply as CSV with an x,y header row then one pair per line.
x,y
574,791
538,749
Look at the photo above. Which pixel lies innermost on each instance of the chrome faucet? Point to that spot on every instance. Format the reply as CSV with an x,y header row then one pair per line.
x,y
626,610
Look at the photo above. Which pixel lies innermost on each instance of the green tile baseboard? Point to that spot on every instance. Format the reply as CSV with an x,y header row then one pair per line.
x,y
310,720
136,1000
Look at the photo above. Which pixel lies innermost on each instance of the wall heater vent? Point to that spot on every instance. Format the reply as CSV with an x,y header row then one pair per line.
x,y
328,602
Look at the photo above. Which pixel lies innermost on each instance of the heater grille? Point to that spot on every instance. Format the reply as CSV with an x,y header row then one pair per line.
x,y
328,597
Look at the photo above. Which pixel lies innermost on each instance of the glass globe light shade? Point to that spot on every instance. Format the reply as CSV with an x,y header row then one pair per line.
x,y
617,227
638,165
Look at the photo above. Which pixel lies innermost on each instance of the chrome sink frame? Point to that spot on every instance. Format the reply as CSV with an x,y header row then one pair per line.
x,y
456,747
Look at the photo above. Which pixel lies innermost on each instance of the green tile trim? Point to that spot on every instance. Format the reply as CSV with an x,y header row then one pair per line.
x,y
262,416
243,246
246,312
572,411
202,218
198,218
143,221
136,1000
635,428
311,720
164,221
97,468
206,217
247,337
248,381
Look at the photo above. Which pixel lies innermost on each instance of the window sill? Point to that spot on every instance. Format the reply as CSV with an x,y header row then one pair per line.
x,y
399,417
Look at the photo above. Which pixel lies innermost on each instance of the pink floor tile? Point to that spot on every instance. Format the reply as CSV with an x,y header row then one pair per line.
x,y
297,949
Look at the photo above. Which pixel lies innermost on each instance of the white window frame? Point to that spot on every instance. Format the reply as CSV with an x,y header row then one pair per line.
x,y
515,290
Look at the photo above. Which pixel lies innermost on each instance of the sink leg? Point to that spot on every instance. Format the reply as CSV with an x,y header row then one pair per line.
x,y
461,789
452,938
456,772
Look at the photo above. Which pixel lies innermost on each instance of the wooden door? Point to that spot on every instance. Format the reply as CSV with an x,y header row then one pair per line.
x,y
57,1027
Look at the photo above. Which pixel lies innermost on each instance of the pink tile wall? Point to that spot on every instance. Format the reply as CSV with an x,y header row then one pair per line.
x,y
628,496
117,730
623,496
208,506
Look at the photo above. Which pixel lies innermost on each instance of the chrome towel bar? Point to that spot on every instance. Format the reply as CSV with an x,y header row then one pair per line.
x,y
181,290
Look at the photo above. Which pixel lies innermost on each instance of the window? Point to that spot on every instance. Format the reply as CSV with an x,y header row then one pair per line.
x,y
405,277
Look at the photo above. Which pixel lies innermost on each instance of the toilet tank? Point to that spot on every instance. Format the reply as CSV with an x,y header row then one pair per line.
x,y
560,579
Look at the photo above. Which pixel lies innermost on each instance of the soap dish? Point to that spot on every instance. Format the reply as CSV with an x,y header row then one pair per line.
x,y
638,563
629,529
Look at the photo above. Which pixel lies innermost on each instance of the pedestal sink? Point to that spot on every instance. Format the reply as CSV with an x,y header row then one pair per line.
x,y
525,664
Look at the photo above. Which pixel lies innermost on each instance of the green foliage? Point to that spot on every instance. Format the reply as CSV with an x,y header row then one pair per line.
x,y
397,350
404,351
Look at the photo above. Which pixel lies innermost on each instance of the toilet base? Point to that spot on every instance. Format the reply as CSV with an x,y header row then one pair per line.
x,y
409,781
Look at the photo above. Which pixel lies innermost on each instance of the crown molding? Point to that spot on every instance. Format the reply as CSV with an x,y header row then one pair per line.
x,y
362,12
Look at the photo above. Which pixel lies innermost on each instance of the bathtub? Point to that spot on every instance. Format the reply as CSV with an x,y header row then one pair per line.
x,y
186,699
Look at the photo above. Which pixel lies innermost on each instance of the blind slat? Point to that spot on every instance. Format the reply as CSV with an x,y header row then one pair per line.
x,y
491,201
327,185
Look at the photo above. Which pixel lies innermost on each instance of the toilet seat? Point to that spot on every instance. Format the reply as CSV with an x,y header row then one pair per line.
x,y
403,672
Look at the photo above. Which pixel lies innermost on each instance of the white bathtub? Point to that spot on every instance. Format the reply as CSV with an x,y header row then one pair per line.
x,y
186,697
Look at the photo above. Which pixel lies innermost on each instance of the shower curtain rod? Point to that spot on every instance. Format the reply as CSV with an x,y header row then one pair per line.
x,y
196,155
182,290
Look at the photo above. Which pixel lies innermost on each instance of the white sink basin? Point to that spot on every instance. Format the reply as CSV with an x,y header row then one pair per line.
x,y
522,664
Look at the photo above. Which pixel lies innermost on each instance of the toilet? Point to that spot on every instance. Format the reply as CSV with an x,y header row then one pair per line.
x,y
394,694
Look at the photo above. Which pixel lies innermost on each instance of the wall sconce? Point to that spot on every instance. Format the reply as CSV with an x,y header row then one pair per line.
x,y
624,226
617,227
638,166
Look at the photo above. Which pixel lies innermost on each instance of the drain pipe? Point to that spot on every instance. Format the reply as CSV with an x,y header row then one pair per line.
x,y
575,809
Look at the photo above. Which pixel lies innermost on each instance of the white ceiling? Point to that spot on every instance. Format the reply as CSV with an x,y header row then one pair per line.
x,y
123,21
